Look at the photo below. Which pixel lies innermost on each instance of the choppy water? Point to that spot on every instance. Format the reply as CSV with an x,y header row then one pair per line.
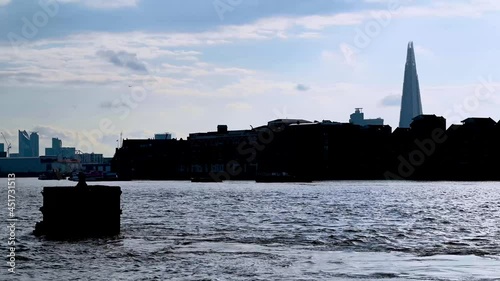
x,y
357,230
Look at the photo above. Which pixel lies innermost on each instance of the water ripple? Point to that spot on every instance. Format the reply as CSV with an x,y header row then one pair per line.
x,y
248,231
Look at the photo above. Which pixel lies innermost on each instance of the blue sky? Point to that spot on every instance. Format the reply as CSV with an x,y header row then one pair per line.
x,y
86,70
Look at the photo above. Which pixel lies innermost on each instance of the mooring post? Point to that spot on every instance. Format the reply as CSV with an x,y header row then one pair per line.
x,y
82,183
80,212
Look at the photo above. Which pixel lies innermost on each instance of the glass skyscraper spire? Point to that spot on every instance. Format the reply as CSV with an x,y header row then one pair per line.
x,y
411,105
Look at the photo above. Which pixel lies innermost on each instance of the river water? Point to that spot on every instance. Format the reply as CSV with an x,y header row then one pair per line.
x,y
347,230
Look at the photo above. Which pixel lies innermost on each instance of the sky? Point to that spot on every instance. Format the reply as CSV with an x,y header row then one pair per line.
x,y
87,70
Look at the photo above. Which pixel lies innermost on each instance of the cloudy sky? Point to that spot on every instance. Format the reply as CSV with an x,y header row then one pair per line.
x,y
86,70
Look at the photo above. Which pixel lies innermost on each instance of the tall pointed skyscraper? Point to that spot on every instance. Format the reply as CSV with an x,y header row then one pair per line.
x,y
411,105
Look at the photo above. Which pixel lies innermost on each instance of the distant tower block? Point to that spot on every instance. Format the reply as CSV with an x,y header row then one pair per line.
x,y
411,105
358,118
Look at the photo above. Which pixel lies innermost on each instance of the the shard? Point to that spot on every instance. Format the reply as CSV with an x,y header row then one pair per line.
x,y
411,105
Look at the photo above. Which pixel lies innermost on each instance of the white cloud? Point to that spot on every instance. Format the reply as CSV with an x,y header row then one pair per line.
x,y
246,86
79,59
344,56
104,4
281,27
4,2
239,106
175,60
308,26
204,69
310,35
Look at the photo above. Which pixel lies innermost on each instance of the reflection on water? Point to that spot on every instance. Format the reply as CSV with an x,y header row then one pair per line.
x,y
357,230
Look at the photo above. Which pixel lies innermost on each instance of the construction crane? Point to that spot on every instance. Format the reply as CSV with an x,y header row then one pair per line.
x,y
7,143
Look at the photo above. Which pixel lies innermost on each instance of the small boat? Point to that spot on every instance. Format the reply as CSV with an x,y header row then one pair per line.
x,y
96,176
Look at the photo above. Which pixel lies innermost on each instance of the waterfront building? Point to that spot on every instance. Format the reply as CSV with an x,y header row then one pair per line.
x,y
90,158
55,149
22,166
28,144
56,144
58,150
163,136
152,159
3,153
216,152
294,150
35,144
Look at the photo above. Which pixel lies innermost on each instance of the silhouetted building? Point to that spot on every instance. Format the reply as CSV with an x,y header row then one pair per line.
x,y
479,122
59,151
35,144
358,118
56,144
24,144
163,136
55,149
223,154
417,152
28,144
68,153
326,150
21,166
286,122
90,158
424,125
3,153
300,150
472,150
411,104
152,159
